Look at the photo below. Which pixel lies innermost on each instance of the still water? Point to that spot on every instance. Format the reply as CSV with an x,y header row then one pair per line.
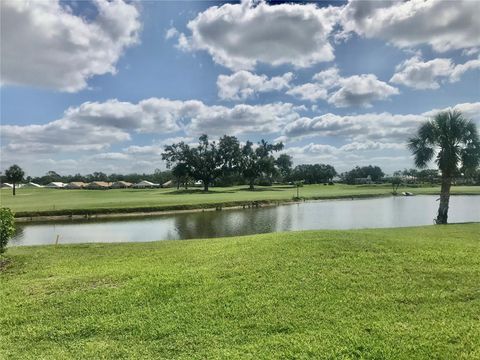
x,y
331,214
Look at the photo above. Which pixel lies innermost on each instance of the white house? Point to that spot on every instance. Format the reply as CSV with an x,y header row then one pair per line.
x,y
55,185
7,186
167,184
145,184
32,185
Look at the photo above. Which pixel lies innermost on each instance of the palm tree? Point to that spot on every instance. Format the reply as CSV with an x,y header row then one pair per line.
x,y
453,141
14,174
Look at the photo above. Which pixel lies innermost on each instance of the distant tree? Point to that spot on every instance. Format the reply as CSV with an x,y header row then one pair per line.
x,y
284,164
259,161
14,174
429,176
314,173
180,173
230,153
7,227
453,141
203,162
160,177
396,182
375,173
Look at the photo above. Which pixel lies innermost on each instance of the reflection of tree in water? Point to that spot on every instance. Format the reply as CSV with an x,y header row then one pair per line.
x,y
231,222
18,235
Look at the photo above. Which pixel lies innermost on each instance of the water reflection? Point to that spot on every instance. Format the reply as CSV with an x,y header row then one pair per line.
x,y
334,214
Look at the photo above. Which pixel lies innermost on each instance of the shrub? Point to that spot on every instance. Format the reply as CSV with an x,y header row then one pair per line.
x,y
7,227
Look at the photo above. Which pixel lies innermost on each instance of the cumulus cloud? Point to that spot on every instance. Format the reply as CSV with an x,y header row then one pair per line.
x,y
243,84
394,156
309,91
444,25
45,45
239,36
243,119
369,127
111,156
62,135
361,90
357,90
420,74
95,126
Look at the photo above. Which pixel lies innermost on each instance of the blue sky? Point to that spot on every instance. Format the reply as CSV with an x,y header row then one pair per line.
x,y
343,84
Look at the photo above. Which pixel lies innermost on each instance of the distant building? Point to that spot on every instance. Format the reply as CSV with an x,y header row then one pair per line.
x,y
144,184
55,185
167,184
32,185
121,185
7,186
76,185
98,185
367,180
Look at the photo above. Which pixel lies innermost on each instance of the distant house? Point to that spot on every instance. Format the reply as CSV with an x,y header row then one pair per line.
x,y
167,184
32,185
144,184
367,180
98,185
121,185
7,186
76,185
55,185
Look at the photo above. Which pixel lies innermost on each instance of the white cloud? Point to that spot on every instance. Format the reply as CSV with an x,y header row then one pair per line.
x,y
309,91
45,45
361,90
243,119
460,69
419,74
394,156
369,127
243,84
111,156
239,36
442,24
62,135
171,33
95,126
469,110
357,90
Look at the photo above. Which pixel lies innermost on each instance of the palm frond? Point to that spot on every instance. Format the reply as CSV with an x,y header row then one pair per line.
x,y
423,153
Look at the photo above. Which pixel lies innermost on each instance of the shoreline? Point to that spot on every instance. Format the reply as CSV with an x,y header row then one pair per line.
x,y
118,213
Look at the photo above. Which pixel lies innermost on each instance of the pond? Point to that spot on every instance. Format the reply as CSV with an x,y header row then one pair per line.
x,y
310,215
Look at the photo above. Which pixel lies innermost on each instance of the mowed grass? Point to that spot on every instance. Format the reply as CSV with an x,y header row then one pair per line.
x,y
42,200
410,293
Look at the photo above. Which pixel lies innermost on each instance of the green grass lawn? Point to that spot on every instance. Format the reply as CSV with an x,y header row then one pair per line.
x,y
62,201
410,293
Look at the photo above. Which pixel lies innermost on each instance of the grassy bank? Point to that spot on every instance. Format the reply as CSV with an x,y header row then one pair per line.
x,y
386,294
32,202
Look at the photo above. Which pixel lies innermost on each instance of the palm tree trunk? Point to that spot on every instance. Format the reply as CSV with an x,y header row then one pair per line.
x,y
13,189
444,200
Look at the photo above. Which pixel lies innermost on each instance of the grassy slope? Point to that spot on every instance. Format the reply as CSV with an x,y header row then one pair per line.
x,y
385,294
53,199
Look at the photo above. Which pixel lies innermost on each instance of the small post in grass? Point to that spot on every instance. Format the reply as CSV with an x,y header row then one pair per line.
x,y
56,241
